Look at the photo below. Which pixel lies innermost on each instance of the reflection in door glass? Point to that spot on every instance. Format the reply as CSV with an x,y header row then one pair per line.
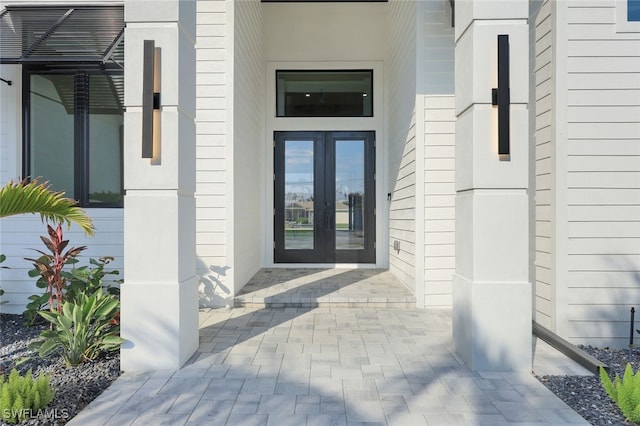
x,y
350,195
298,195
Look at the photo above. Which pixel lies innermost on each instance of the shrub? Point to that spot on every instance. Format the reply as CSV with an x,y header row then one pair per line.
x,y
49,267
85,327
624,392
21,395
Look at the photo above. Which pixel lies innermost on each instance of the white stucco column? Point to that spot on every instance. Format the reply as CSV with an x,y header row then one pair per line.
x,y
491,289
159,296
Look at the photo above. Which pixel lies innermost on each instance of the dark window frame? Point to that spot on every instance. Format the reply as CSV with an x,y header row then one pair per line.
x,y
367,70
81,133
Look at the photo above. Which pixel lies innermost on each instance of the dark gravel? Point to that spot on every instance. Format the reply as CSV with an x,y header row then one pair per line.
x,y
74,387
586,395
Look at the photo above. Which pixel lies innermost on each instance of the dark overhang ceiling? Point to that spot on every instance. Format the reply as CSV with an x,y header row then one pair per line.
x,y
41,34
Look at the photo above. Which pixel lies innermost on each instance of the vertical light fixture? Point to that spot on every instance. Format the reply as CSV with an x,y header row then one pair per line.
x,y
502,98
150,97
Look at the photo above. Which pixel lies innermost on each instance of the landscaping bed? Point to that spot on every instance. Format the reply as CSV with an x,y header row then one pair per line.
x,y
74,387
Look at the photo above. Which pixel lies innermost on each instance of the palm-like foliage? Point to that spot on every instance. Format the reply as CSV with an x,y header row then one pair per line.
x,y
37,197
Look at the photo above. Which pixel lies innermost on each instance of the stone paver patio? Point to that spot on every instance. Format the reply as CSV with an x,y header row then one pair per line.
x,y
330,366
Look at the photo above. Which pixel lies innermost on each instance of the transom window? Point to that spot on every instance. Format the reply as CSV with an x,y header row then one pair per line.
x,y
324,93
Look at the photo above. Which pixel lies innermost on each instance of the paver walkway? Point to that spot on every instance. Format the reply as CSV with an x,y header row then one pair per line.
x,y
326,366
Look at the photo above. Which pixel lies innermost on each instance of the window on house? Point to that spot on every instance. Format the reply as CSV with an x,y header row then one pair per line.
x,y
633,10
73,133
72,60
340,93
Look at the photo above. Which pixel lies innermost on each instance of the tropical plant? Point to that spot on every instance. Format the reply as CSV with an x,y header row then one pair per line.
x,y
83,329
37,197
624,392
49,267
21,395
88,279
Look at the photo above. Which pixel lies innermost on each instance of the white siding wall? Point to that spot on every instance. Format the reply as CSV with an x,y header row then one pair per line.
x,y
439,199
212,172
603,180
401,90
436,88
543,67
248,123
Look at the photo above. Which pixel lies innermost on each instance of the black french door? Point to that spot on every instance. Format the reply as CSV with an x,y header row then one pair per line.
x,y
324,197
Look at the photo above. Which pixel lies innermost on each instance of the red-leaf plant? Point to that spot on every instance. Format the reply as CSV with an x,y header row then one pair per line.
x,y
50,266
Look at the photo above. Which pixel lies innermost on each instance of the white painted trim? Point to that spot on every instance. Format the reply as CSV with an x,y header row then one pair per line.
x,y
229,149
559,232
375,123
632,28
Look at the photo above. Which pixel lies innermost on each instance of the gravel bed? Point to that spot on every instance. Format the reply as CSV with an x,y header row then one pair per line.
x,y
74,387
586,395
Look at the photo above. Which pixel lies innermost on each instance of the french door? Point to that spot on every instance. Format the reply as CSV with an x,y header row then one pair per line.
x,y
324,197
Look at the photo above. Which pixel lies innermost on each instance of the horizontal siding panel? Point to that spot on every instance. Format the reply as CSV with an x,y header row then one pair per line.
x,y
592,213
446,200
602,279
591,15
618,312
439,275
606,246
603,64
439,213
599,196
604,180
447,225
604,81
603,48
434,188
604,114
604,97
619,263
602,130
610,163
603,147
439,250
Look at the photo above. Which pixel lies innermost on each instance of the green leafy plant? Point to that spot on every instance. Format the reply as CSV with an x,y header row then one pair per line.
x,y
49,267
37,197
89,279
83,329
624,392
21,395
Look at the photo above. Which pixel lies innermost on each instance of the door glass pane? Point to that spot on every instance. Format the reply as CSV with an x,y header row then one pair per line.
x,y
344,93
105,139
298,194
51,130
350,195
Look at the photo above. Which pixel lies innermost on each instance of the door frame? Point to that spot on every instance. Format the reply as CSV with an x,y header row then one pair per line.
x,y
375,123
324,217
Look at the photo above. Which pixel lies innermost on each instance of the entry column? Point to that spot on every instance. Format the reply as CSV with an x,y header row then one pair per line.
x,y
492,301
159,296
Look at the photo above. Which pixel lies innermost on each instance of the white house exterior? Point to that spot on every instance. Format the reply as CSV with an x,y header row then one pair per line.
x,y
550,234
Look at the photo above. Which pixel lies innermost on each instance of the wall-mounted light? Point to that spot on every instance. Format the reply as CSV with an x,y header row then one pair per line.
x,y
502,98
150,99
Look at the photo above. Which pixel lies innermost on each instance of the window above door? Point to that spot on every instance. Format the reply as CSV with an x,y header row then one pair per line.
x,y
324,93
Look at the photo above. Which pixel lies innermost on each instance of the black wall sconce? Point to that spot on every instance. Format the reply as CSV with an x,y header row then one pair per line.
x,y
502,98
150,97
